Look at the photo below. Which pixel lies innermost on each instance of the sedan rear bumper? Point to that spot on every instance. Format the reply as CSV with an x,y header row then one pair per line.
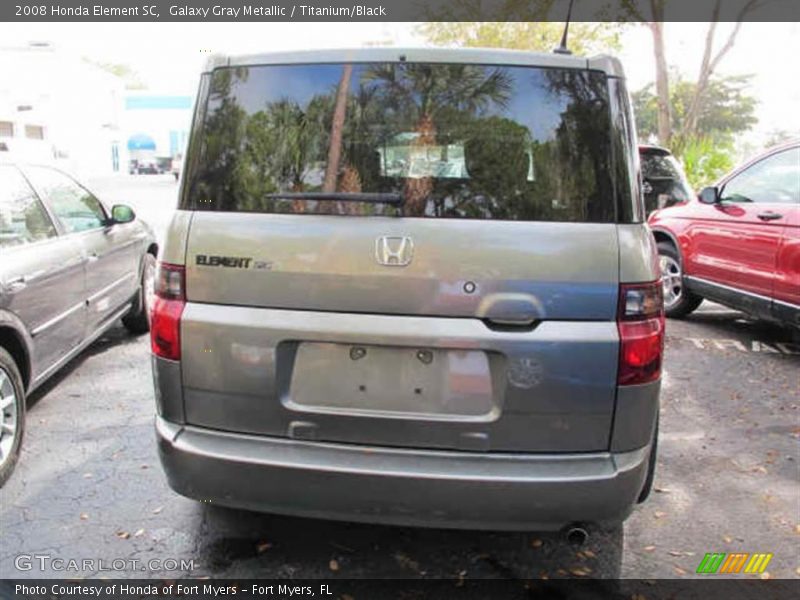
x,y
400,486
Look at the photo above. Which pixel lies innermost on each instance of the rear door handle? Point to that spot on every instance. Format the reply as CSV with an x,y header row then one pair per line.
x,y
769,216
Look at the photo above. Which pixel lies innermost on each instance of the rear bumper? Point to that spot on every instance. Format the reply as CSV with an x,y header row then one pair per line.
x,y
400,486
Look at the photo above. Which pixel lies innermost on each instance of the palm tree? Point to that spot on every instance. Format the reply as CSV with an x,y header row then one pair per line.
x,y
422,93
282,141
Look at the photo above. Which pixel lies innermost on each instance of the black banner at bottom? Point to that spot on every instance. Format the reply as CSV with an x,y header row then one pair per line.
x,y
402,589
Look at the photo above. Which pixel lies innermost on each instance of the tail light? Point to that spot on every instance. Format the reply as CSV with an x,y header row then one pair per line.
x,y
640,322
165,323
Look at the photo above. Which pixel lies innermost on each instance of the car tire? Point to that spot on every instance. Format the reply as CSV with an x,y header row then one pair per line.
x,y
651,468
678,301
12,413
137,321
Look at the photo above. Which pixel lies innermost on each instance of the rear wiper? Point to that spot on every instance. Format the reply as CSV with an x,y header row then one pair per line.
x,y
394,199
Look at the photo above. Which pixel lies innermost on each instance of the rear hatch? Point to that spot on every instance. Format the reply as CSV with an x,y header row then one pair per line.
x,y
403,254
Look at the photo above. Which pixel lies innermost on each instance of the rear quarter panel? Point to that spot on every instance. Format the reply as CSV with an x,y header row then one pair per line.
x,y
638,254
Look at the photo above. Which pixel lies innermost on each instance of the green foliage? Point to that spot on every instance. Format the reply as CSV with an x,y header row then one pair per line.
x,y
460,87
125,72
727,108
704,159
584,38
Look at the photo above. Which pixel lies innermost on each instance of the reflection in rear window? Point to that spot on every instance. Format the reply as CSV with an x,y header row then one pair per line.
x,y
454,140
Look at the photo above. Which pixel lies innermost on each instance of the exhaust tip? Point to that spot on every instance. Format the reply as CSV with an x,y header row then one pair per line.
x,y
576,535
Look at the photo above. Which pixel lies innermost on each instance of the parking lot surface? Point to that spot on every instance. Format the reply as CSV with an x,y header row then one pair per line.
x,y
89,485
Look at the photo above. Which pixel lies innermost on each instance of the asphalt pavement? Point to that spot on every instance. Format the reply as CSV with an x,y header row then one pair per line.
x,y
89,486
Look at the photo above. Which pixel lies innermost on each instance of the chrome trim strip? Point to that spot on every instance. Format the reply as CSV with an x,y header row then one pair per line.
x,y
787,304
78,349
109,287
57,319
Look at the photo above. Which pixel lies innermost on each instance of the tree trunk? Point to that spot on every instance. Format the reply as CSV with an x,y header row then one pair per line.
x,y
350,182
337,130
662,81
709,65
417,190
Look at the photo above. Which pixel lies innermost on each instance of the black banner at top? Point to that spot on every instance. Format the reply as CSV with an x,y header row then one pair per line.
x,y
394,10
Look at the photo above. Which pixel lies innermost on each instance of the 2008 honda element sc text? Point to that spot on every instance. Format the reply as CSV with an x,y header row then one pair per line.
x,y
411,287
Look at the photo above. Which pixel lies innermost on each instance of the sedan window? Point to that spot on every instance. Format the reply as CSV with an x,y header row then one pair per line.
x,y
776,179
75,207
23,219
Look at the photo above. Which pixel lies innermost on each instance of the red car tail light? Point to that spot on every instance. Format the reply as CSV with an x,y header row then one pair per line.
x,y
640,322
165,323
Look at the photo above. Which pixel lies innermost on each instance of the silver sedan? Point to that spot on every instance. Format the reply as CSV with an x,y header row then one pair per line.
x,y
69,268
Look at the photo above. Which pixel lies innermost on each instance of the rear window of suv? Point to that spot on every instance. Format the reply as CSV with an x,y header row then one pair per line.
x,y
446,140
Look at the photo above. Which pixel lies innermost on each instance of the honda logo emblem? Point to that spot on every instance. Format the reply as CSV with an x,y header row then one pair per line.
x,y
394,251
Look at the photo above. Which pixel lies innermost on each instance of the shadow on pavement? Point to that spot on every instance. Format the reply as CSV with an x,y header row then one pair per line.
x,y
733,324
116,336
239,543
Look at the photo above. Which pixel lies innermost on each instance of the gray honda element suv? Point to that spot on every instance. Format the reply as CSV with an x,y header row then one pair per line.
x,y
411,287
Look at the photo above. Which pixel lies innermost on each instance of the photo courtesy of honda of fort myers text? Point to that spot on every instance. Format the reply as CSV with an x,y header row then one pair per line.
x,y
423,299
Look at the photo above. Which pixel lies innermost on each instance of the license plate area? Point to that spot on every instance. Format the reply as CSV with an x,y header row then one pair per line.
x,y
391,381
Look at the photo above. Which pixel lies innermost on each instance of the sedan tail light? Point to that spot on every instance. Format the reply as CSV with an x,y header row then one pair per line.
x,y
640,322
165,324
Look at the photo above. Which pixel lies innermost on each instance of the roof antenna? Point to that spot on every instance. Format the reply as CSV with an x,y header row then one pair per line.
x,y
562,48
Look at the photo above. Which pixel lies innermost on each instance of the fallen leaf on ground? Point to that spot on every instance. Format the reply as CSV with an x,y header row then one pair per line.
x,y
157,510
588,554
87,475
660,490
123,535
727,539
333,565
84,517
581,571
766,575
680,571
263,546
406,561
659,514
536,543
649,548
342,547
139,533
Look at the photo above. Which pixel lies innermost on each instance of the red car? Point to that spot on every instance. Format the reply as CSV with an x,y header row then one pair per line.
x,y
738,242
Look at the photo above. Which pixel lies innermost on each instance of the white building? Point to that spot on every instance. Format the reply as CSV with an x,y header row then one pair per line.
x,y
55,107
